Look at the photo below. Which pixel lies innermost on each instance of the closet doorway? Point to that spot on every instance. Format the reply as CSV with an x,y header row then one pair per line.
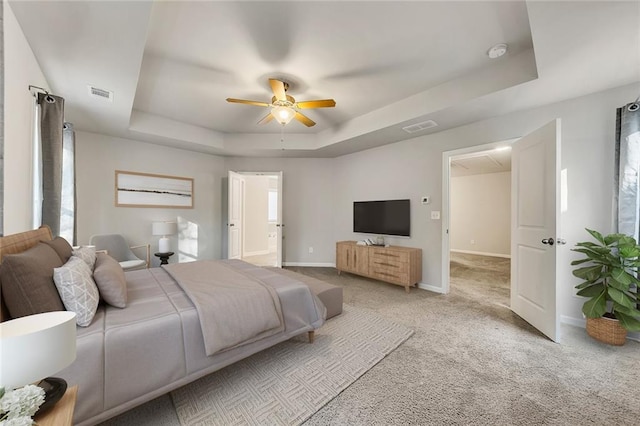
x,y
480,223
255,217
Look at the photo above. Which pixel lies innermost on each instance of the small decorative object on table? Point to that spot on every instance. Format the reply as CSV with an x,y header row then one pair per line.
x,y
17,407
164,257
609,272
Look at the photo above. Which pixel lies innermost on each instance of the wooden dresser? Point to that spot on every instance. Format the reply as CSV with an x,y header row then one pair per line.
x,y
393,264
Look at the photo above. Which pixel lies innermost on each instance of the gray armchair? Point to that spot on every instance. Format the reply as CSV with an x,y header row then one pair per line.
x,y
116,246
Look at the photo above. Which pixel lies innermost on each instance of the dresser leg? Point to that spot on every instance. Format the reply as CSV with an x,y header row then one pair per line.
x,y
407,289
312,336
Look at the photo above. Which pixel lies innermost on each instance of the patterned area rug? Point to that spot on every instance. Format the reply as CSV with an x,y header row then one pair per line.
x,y
286,384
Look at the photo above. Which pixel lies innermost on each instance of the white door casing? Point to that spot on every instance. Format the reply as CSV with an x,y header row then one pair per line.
x,y
535,203
280,225
236,206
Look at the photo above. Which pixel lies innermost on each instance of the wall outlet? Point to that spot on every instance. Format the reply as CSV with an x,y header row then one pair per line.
x,y
473,242
426,200
310,250
435,215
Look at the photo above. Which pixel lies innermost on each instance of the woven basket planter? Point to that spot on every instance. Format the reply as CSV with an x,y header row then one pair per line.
x,y
606,330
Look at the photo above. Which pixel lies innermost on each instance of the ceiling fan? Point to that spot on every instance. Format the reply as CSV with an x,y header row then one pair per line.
x,y
284,108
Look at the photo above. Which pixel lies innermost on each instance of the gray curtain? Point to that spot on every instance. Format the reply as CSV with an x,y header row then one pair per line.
x,y
51,124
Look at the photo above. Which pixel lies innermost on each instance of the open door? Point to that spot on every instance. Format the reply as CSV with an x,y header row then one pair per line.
x,y
235,217
535,223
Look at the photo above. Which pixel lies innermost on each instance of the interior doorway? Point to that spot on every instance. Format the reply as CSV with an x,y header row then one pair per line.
x,y
479,223
255,217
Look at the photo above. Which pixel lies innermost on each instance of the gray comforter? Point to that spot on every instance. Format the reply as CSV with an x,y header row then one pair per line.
x,y
154,345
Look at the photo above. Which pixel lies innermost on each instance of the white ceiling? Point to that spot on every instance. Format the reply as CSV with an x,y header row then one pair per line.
x,y
171,65
496,160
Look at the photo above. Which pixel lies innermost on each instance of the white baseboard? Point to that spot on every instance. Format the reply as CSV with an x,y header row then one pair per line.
x,y
310,264
430,287
482,253
577,322
255,253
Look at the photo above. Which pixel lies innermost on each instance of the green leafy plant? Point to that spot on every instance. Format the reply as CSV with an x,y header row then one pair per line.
x,y
609,273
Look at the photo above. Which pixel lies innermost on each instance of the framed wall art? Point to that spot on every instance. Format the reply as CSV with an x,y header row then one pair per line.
x,y
149,190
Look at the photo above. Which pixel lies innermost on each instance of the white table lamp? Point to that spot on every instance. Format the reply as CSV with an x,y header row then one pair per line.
x,y
36,346
164,229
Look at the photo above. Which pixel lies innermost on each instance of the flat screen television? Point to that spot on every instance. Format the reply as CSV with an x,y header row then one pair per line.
x,y
388,217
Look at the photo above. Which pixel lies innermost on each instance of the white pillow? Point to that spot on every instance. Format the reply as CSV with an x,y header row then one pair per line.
x,y
86,253
77,289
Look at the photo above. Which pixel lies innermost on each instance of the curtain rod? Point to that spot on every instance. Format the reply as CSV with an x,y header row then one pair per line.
x,y
39,88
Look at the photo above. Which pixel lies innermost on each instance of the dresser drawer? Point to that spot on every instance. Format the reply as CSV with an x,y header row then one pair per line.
x,y
390,255
390,276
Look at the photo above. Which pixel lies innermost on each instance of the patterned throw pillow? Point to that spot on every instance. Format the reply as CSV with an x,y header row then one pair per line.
x,y
77,289
88,254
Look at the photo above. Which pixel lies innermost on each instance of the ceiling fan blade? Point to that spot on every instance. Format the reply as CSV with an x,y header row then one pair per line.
x,y
320,103
304,119
267,118
244,101
278,89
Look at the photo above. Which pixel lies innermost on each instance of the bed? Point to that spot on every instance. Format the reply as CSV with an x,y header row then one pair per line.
x,y
158,342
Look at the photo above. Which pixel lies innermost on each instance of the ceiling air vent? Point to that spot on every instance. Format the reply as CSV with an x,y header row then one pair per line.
x,y
100,93
420,126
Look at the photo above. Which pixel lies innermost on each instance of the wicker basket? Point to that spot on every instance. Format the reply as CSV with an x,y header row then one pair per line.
x,y
606,330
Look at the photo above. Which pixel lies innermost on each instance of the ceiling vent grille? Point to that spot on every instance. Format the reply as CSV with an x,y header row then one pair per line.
x,y
100,93
420,126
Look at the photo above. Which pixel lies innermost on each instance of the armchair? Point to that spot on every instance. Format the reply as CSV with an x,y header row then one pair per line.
x,y
116,246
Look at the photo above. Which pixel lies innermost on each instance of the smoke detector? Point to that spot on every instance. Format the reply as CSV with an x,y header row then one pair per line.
x,y
498,50
96,92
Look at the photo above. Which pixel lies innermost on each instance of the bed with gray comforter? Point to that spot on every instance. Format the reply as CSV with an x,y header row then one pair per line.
x,y
158,342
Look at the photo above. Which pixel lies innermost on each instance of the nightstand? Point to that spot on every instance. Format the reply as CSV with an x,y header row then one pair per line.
x,y
60,414
164,257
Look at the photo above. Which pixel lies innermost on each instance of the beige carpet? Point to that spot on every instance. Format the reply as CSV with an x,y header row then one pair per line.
x,y
286,384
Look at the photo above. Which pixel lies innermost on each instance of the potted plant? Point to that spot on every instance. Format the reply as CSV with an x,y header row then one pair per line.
x,y
609,273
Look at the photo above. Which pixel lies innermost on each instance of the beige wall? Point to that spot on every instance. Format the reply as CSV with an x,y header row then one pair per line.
x,y
20,70
98,157
256,225
480,213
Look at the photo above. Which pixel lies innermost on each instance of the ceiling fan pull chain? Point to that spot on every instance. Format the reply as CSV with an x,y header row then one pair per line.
x,y
282,135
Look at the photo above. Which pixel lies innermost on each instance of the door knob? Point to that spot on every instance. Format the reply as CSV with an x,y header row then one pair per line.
x,y
548,241
232,224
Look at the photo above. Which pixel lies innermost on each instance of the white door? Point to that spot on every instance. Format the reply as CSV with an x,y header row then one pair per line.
x,y
535,230
236,205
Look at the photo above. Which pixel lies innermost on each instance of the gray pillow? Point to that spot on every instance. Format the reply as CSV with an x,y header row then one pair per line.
x,y
109,277
88,254
77,289
27,281
62,247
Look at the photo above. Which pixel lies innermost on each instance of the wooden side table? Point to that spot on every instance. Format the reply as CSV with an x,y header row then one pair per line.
x,y
60,414
164,257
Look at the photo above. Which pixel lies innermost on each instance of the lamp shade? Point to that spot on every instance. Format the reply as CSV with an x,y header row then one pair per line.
x,y
283,114
36,346
164,228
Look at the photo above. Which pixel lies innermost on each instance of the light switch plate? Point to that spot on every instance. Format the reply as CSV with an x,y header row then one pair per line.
x,y
435,215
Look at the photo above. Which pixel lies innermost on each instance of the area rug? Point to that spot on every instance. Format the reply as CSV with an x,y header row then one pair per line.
x,y
286,384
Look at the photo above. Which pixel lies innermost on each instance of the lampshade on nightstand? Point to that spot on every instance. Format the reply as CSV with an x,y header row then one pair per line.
x,y
36,346
164,229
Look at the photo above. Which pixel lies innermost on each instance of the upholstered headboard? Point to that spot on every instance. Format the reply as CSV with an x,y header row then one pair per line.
x,y
18,243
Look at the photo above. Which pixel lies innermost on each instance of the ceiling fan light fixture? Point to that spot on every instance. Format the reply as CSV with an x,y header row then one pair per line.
x,y
283,114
